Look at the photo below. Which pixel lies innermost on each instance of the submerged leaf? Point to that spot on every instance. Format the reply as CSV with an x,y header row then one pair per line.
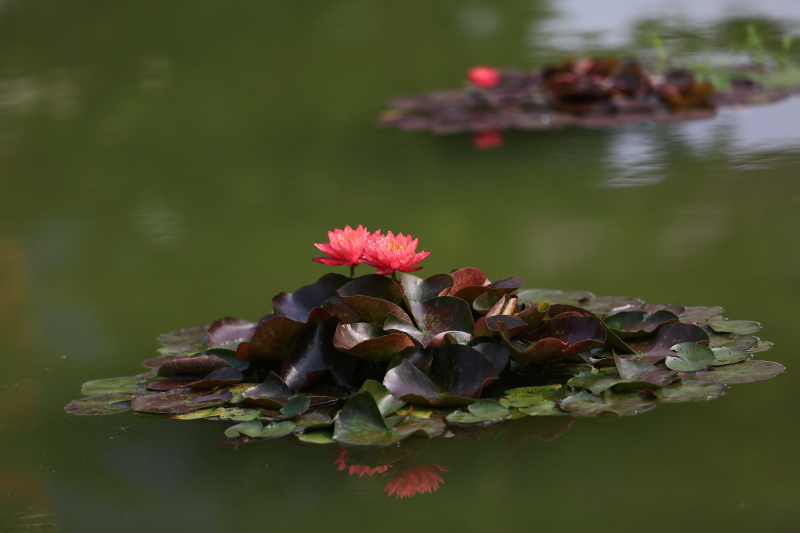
x,y
690,391
101,404
111,385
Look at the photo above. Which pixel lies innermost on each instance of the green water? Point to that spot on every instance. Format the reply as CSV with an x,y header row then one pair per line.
x,y
166,163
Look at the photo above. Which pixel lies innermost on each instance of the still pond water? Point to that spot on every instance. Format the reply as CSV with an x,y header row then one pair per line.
x,y
166,163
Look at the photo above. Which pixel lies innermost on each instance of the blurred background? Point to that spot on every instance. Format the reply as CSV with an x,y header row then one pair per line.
x,y
163,164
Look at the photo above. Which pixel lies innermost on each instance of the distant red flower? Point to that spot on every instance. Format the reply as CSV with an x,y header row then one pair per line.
x,y
359,470
484,77
415,479
487,139
388,253
345,247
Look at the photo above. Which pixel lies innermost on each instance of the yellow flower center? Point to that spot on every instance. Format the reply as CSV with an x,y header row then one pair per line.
x,y
394,246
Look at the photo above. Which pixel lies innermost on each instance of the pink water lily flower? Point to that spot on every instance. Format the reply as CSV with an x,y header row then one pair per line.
x,y
484,77
345,247
388,253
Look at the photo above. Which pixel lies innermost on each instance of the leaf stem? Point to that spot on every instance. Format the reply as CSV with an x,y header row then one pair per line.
x,y
352,271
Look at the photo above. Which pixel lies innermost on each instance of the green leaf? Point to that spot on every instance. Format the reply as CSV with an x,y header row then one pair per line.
x,y
690,391
728,356
295,406
489,410
253,429
112,385
387,404
744,372
740,327
101,404
323,436
689,356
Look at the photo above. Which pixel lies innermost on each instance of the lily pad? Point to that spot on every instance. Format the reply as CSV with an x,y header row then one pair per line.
x,y
313,355
744,372
111,385
254,429
299,304
172,383
457,376
179,401
435,318
387,404
420,290
660,346
101,404
487,326
186,336
689,356
486,302
632,371
271,393
373,297
609,304
228,329
739,327
489,410
638,324
296,405
690,391
532,297
728,356
221,377
199,366
497,355
368,341
419,357
621,403
556,338
734,342
360,423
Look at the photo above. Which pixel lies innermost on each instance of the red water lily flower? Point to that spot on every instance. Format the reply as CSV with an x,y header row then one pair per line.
x,y
487,139
388,253
415,479
345,247
359,470
484,77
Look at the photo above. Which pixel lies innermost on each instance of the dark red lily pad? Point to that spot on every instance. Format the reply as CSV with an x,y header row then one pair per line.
x,y
419,357
274,338
532,297
497,355
556,338
420,290
457,376
272,393
229,328
487,326
299,304
470,283
435,317
629,325
368,341
173,382
201,365
101,404
221,377
179,401
701,315
608,304
314,355
658,347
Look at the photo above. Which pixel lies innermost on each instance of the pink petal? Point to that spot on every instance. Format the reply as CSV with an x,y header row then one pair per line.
x,y
409,269
385,271
325,248
328,261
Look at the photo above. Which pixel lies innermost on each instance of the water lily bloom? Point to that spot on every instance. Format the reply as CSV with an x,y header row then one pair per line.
x,y
415,479
487,139
345,247
388,253
484,77
359,470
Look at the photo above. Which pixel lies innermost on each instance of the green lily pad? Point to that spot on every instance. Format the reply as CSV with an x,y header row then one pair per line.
x,y
489,410
178,401
530,396
312,421
597,381
689,356
728,356
296,405
632,371
744,372
623,403
368,341
739,327
111,385
735,342
690,391
360,423
544,407
253,429
101,404
323,436
387,404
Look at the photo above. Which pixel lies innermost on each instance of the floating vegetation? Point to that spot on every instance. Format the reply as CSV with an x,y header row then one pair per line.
x,y
589,93
368,362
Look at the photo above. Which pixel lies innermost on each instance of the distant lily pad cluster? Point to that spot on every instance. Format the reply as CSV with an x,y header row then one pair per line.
x,y
371,361
590,93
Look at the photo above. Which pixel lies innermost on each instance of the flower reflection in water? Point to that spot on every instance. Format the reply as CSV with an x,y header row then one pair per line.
x,y
359,470
416,479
